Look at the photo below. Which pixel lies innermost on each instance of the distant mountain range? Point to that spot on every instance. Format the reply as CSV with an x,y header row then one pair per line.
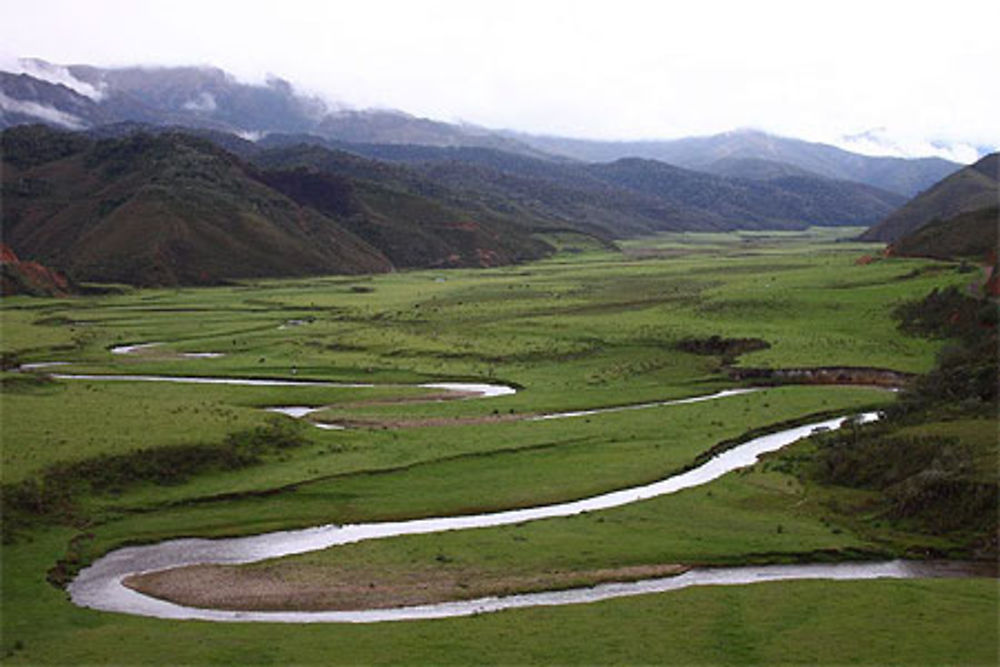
x,y
81,96
628,196
754,154
186,176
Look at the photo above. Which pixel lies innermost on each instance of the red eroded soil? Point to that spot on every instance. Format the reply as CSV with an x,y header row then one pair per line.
x,y
20,277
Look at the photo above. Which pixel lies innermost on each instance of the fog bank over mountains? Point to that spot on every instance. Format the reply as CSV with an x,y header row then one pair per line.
x,y
903,80
93,83
81,97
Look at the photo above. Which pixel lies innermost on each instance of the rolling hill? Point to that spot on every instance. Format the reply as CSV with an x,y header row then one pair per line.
x,y
219,207
755,168
787,202
973,188
148,205
716,153
161,210
411,229
170,208
969,235
620,199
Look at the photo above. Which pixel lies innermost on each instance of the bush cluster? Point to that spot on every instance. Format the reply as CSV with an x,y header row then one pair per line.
x,y
727,348
52,494
931,480
966,370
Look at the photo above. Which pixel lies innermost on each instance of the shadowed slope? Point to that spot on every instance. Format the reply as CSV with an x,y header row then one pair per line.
x,y
162,210
973,188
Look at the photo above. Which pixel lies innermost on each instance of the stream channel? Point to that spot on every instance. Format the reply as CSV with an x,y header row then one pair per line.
x,y
100,586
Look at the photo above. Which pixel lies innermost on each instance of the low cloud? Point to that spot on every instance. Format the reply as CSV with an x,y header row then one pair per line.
x,y
204,103
42,112
251,135
880,141
56,74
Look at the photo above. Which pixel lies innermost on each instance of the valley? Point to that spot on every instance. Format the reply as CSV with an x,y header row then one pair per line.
x,y
618,341
451,333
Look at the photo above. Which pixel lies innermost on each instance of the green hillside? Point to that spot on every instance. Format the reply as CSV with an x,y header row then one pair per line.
x,y
535,193
161,210
413,221
972,235
155,206
792,201
169,208
973,188
622,199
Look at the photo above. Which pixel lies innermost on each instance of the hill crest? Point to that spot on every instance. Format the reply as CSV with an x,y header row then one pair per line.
x,y
970,189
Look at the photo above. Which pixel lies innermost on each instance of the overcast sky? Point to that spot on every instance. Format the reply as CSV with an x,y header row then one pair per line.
x,y
909,74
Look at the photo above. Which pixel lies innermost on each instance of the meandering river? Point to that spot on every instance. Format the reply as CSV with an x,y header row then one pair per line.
x,y
100,586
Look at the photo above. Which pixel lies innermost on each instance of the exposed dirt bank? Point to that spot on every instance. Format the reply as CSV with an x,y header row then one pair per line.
x,y
416,422
846,375
314,588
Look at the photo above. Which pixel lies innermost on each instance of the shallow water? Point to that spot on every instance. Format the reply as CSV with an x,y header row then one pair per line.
x,y
467,389
131,349
139,604
249,382
482,390
478,390
296,411
41,364
642,406
488,391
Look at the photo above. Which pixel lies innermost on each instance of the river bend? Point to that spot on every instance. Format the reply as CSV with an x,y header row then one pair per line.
x,y
100,585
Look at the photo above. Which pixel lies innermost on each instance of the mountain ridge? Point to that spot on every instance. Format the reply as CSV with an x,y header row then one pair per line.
x,y
970,235
709,153
511,178
972,188
210,98
163,210
171,208
431,206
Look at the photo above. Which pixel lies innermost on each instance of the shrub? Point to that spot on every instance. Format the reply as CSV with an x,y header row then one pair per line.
x,y
52,495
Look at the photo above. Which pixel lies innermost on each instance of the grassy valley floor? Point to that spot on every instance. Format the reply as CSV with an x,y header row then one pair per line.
x,y
90,465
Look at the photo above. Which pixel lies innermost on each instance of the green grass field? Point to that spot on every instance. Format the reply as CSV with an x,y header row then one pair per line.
x,y
586,328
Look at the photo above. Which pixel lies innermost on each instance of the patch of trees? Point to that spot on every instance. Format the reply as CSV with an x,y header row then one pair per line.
x,y
727,348
52,494
932,483
930,480
326,192
965,375
32,145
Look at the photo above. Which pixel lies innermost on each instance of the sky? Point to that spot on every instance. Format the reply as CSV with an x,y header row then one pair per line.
x,y
881,77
